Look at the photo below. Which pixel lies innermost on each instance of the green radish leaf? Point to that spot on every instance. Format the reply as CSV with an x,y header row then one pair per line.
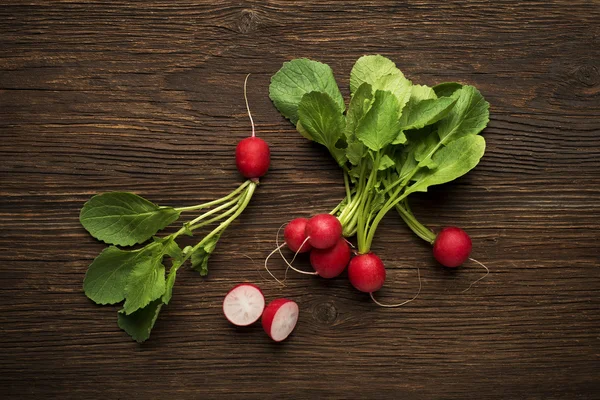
x,y
380,125
386,162
202,254
369,69
139,324
398,85
400,138
166,297
297,78
355,152
170,247
446,89
453,161
418,114
469,115
425,144
359,105
124,219
422,92
146,282
321,118
106,277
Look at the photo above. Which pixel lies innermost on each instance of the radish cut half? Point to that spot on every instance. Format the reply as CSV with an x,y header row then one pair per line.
x,y
244,304
280,318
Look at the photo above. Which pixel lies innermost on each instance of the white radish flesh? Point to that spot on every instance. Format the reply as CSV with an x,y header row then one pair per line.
x,y
244,304
280,318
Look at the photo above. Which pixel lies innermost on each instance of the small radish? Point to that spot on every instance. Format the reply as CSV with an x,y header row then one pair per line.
x,y
452,247
366,272
244,304
323,231
279,318
295,236
252,155
329,263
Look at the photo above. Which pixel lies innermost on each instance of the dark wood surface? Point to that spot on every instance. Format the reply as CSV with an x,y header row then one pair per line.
x,y
147,97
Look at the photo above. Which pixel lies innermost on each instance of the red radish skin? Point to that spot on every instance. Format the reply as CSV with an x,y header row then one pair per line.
x,y
366,273
329,263
244,304
452,247
295,236
252,157
323,231
279,318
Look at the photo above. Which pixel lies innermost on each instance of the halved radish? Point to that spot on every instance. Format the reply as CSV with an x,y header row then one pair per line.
x,y
279,318
244,304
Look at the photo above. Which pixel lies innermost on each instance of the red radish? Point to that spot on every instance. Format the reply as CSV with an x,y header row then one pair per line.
x,y
323,231
452,247
244,304
295,236
366,273
279,318
329,263
252,155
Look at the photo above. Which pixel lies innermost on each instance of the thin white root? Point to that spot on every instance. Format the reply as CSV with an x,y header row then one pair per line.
x,y
298,251
248,107
289,264
267,260
404,302
487,272
349,243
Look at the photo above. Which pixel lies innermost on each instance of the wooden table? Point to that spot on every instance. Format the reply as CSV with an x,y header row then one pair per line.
x,y
147,97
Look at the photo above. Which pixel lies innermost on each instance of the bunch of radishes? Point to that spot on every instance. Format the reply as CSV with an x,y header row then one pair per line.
x,y
392,139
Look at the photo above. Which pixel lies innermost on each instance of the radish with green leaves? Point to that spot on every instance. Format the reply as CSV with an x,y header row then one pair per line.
x,y
395,138
138,277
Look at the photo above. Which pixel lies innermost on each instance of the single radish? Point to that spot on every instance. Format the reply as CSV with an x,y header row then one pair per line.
x,y
329,263
366,272
323,231
252,155
452,247
279,318
295,236
244,304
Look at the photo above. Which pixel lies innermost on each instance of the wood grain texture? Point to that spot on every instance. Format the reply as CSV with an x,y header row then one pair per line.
x,y
147,97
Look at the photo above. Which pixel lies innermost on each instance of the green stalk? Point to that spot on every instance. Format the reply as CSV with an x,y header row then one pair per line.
x,y
245,200
362,228
214,202
387,207
419,229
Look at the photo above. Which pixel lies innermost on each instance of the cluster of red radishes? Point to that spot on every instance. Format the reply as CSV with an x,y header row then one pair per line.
x,y
330,252
245,304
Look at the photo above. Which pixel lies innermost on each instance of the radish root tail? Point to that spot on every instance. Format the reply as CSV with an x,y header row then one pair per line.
x,y
267,260
289,264
248,107
487,272
404,302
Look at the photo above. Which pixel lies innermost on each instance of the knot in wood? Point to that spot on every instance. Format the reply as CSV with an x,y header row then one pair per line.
x,y
248,22
587,75
325,313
